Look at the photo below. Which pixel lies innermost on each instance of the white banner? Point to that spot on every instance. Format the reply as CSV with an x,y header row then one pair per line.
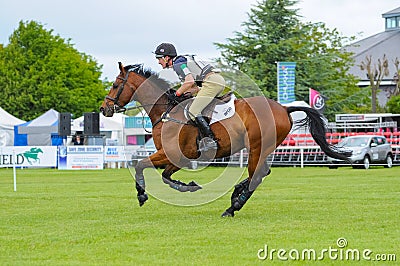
x,y
28,156
114,154
81,157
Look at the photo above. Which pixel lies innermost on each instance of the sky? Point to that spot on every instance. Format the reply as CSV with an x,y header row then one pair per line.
x,y
129,30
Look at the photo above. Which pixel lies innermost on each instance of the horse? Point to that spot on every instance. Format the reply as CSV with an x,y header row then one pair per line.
x,y
259,124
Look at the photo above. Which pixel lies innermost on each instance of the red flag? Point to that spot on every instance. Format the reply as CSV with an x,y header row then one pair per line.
x,y
316,100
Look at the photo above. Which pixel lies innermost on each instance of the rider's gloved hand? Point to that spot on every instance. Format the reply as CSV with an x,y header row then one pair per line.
x,y
174,97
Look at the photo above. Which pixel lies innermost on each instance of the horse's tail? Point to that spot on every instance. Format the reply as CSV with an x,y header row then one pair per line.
x,y
317,128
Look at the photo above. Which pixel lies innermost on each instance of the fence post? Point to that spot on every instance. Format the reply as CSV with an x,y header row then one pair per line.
x,y
302,157
241,159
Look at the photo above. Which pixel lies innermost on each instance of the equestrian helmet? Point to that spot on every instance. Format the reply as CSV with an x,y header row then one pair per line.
x,y
165,49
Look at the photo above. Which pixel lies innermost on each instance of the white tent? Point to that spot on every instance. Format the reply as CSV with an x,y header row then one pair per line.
x,y
112,127
7,123
38,131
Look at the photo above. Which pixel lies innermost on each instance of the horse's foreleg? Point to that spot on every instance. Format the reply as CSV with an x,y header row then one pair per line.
x,y
140,183
176,184
155,160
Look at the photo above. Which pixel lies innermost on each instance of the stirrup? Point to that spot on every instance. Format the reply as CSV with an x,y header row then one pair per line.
x,y
207,144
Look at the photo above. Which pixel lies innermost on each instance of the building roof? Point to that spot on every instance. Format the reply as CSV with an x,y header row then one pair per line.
x,y
376,46
391,13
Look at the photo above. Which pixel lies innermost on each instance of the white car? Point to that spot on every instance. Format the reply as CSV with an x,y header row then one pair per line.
x,y
366,149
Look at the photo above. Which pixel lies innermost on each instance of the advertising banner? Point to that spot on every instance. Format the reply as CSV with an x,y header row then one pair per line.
x,y
80,157
316,100
28,156
286,82
114,154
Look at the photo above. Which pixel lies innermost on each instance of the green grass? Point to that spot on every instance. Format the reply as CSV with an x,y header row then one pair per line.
x,y
93,218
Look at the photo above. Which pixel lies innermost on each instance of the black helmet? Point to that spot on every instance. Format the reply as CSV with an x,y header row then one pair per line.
x,y
165,49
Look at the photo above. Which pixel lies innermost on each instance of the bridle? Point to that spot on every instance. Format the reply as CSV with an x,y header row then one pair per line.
x,y
117,107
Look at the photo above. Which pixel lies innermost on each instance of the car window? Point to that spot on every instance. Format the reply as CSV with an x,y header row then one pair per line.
x,y
354,142
381,141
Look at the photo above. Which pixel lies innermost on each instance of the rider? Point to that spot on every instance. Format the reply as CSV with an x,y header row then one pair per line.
x,y
191,73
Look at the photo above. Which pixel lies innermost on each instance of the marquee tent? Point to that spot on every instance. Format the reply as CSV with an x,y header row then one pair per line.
x,y
42,130
7,123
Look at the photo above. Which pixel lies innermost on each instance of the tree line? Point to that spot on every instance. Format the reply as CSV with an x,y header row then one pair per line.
x,y
40,70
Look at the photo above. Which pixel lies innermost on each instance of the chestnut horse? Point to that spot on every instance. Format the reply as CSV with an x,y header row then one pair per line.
x,y
259,124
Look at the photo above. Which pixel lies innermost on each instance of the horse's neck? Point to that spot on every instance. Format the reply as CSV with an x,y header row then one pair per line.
x,y
153,101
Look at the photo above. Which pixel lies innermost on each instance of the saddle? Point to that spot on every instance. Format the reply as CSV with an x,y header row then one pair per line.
x,y
208,111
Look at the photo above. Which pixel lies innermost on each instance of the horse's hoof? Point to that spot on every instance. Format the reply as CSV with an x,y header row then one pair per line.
x,y
237,205
193,186
142,199
227,214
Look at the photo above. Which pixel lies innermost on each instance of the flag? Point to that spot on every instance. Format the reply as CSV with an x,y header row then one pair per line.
x,y
286,82
317,100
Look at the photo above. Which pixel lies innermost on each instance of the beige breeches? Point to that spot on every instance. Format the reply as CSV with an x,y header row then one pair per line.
x,y
212,86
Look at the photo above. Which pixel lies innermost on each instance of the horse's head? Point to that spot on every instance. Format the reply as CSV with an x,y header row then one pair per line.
x,y
122,91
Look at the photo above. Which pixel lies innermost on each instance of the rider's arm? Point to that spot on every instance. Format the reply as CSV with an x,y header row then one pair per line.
x,y
184,73
188,83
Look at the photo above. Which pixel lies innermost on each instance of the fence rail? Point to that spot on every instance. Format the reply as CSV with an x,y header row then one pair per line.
x,y
292,156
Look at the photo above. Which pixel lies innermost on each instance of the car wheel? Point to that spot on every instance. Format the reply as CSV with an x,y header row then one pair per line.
x,y
389,161
366,162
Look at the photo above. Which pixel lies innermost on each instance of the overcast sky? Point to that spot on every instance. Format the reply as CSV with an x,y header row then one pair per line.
x,y
129,30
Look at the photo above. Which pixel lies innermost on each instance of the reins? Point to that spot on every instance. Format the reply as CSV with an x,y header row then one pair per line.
x,y
163,118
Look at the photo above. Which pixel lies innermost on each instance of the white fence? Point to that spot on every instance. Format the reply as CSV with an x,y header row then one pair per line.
x,y
117,156
294,156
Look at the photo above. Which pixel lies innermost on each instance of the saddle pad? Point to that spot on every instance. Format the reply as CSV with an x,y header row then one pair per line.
x,y
223,111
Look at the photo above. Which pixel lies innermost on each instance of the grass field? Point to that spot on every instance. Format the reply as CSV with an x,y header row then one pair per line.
x,y
93,218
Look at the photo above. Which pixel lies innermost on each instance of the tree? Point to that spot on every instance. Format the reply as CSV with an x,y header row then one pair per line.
x,y
274,33
39,71
375,74
394,102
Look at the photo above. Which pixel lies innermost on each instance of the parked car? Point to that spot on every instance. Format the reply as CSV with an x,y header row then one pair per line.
x,y
366,149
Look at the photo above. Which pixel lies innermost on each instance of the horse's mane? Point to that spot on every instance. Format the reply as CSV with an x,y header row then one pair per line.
x,y
148,73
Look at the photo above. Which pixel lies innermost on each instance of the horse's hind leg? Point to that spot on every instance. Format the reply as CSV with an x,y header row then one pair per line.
x,y
239,196
245,189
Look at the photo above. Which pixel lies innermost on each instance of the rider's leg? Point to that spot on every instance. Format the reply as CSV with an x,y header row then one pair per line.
x,y
212,86
206,132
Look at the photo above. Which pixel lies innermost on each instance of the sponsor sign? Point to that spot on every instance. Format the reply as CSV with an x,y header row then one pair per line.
x,y
80,157
286,82
28,156
114,154
316,100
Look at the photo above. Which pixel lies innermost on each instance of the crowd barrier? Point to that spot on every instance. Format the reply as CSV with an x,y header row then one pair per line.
x,y
295,156
334,138
86,157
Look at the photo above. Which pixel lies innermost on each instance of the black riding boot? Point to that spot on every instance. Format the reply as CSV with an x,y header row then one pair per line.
x,y
208,142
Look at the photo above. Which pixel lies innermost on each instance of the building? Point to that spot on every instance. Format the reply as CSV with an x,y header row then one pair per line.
x,y
376,46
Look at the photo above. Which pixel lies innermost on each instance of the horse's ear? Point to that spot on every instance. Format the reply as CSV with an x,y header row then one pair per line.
x,y
121,68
